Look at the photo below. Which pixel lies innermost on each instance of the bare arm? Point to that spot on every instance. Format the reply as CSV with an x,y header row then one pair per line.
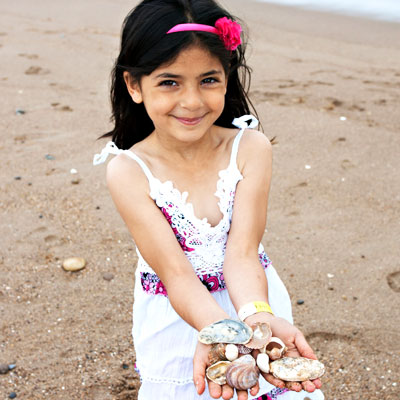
x,y
158,245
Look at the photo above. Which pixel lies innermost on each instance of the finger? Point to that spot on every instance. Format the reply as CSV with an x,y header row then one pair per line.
x,y
254,390
199,368
214,389
317,383
242,394
295,386
308,386
227,392
274,381
303,347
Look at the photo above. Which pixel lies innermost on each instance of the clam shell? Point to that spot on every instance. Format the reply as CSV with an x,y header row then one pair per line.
x,y
263,362
275,348
217,372
226,331
242,374
217,353
231,352
261,335
297,369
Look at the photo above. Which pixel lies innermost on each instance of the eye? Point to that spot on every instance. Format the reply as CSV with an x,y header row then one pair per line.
x,y
168,83
209,80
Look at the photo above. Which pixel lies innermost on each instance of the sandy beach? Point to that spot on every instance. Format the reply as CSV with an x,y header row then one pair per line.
x,y
326,86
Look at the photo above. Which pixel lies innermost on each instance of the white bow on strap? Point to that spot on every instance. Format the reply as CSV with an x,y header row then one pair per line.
x,y
242,122
110,148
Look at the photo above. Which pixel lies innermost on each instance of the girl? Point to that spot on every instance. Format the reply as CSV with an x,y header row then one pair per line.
x,y
188,171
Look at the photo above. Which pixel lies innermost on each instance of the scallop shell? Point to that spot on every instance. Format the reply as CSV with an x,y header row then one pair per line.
x,y
217,353
261,335
242,374
275,348
217,372
226,331
297,369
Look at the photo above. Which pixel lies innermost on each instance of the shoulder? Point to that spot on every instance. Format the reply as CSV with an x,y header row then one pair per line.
x,y
124,173
254,147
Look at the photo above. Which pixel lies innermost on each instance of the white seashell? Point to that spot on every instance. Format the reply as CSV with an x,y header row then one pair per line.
x,y
247,359
231,352
263,362
298,369
275,348
261,335
217,372
226,331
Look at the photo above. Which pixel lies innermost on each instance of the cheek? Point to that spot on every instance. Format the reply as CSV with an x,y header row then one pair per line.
x,y
157,105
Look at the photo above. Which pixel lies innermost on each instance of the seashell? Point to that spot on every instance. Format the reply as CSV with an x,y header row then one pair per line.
x,y
231,352
263,362
244,349
261,335
217,372
298,369
217,353
74,264
275,348
242,374
226,331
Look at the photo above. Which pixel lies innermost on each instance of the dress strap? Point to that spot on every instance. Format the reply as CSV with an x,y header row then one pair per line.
x,y
243,124
111,148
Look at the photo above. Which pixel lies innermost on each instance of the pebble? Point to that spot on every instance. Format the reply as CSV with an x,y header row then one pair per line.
x,y
344,297
330,275
125,366
17,178
108,276
49,157
74,264
300,302
4,368
19,111
12,395
11,366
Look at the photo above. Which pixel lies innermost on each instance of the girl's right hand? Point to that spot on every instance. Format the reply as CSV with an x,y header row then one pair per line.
x,y
200,364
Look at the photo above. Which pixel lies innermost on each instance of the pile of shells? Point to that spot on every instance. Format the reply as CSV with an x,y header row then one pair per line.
x,y
231,362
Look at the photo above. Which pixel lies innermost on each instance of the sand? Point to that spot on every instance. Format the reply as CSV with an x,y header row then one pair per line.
x,y
327,86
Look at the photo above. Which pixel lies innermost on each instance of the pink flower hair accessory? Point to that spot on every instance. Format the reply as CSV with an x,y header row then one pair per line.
x,y
228,30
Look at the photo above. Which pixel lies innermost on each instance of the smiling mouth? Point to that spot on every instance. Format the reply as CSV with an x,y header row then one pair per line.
x,y
189,121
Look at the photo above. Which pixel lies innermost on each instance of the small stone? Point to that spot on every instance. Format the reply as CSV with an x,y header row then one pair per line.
x,y
75,180
300,302
49,157
125,366
344,297
11,366
343,118
74,264
331,288
4,368
19,111
12,395
355,298
17,178
40,216
108,276
97,207
330,275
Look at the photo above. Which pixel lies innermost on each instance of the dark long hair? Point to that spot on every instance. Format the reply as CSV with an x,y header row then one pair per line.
x,y
145,46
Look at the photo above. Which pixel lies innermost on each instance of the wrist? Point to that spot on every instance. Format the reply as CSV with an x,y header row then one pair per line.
x,y
254,307
259,317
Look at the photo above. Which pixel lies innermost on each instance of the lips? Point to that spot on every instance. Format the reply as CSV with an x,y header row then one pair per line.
x,y
190,121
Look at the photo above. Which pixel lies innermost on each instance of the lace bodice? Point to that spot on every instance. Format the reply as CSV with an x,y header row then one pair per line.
x,y
203,244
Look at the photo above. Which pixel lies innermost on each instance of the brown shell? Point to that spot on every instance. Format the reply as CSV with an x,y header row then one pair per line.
x,y
261,335
275,348
242,375
217,372
217,353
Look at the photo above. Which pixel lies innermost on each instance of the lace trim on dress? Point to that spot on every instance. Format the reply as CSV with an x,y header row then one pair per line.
x,y
214,282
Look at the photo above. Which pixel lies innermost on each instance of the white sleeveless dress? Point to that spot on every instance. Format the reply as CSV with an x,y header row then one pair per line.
x,y
164,342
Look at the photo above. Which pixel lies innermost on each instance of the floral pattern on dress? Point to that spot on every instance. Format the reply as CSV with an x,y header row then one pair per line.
x,y
179,237
215,282
272,395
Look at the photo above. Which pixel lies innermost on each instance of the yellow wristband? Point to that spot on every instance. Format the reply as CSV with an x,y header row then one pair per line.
x,y
253,308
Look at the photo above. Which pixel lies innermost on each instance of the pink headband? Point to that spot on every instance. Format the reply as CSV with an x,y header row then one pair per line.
x,y
226,29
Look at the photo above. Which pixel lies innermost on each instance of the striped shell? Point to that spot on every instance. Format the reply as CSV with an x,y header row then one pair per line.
x,y
242,374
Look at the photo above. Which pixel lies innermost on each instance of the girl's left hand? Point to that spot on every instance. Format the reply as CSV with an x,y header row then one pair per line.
x,y
200,364
296,344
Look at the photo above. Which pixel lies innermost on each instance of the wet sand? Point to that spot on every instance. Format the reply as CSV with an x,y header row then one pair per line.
x,y
327,86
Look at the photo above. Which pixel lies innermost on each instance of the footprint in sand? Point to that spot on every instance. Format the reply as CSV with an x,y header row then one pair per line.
x,y
35,70
393,281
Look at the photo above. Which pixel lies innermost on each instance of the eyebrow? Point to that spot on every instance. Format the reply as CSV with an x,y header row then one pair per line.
x,y
174,76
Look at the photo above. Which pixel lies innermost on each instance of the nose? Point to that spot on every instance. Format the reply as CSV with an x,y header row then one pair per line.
x,y
191,99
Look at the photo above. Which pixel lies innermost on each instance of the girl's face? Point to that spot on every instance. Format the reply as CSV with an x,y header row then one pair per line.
x,y
184,98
